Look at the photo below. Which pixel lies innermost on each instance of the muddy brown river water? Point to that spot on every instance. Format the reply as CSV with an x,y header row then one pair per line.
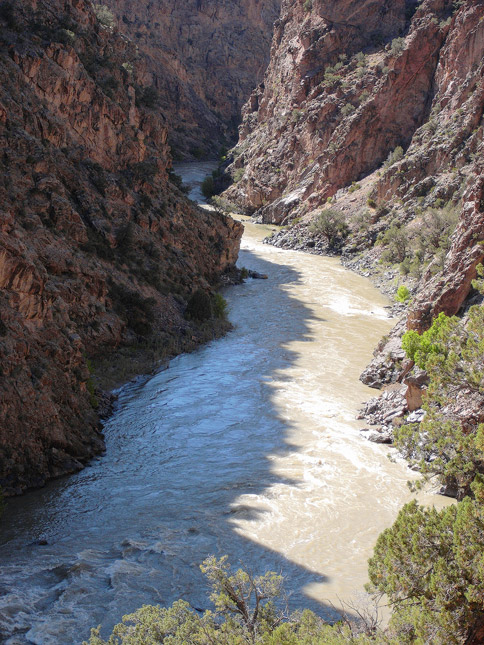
x,y
248,447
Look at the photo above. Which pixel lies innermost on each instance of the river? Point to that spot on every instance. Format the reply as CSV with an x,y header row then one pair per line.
x,y
247,447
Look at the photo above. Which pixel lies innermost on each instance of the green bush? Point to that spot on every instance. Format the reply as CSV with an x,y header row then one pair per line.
x,y
429,563
246,612
199,306
238,174
394,156
348,109
452,353
219,306
208,187
397,244
137,311
398,45
202,306
403,294
332,225
430,243
104,15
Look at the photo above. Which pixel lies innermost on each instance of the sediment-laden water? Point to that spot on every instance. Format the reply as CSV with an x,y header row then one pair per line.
x,y
247,447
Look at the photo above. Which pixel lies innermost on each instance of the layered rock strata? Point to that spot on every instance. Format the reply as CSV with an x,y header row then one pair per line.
x,y
98,248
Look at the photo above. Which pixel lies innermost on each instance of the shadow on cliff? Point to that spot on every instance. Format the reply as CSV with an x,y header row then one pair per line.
x,y
181,450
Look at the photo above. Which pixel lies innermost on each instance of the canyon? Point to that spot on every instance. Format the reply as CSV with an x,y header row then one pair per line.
x,y
361,136
370,118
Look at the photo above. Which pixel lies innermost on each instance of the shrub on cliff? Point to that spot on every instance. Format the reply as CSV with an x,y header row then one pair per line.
x,y
443,445
430,563
133,308
104,15
203,306
208,187
147,97
403,294
332,225
396,243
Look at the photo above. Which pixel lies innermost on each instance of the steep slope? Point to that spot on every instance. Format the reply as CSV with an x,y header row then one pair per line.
x,y
366,139
356,86
204,57
384,122
98,249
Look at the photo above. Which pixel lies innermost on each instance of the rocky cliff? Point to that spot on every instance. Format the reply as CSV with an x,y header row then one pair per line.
x,y
203,59
98,248
366,139
380,121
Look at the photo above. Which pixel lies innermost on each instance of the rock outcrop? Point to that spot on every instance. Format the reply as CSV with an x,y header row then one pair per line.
x,y
203,59
381,115
98,248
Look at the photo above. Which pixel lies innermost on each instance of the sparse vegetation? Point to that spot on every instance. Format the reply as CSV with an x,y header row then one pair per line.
x,y
178,181
430,243
147,97
137,311
397,47
238,174
394,157
249,610
332,225
208,187
347,109
204,306
104,15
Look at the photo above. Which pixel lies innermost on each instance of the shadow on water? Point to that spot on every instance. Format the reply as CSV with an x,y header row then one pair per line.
x,y
182,448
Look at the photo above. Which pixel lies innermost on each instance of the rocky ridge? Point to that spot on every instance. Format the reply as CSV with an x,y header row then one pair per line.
x,y
202,58
99,250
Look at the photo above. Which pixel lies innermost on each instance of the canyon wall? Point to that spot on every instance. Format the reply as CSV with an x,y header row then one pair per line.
x,y
203,58
365,139
98,248
373,110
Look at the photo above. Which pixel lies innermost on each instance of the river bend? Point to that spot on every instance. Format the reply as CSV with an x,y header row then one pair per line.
x,y
247,447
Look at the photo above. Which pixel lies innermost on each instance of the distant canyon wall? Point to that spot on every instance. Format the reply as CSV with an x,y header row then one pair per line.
x,y
203,58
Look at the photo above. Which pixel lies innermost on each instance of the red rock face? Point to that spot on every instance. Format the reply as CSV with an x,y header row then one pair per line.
x,y
204,57
448,291
95,240
327,116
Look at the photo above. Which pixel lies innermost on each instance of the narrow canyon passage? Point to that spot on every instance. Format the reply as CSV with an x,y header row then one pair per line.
x,y
247,447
